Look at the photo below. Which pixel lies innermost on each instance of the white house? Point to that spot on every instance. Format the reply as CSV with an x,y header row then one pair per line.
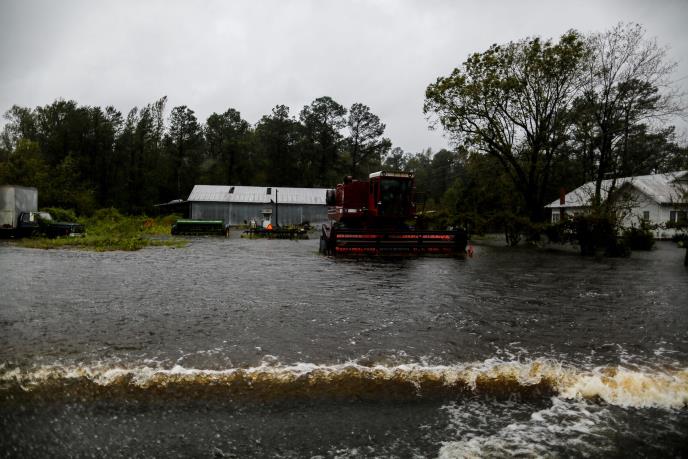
x,y
656,198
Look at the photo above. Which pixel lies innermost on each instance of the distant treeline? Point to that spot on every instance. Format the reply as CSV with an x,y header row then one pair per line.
x,y
527,119
85,157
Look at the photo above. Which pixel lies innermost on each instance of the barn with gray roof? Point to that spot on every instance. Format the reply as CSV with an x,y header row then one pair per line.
x,y
238,205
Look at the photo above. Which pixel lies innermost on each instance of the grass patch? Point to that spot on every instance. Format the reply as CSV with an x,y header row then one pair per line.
x,y
109,230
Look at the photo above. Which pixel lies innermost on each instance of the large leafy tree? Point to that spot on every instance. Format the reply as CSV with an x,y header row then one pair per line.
x,y
73,142
365,142
420,164
277,139
21,124
626,86
61,129
511,102
185,147
322,122
24,166
141,166
395,159
443,169
226,136
478,203
96,155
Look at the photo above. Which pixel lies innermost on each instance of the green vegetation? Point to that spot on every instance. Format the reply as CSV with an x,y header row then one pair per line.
x,y
108,230
510,102
527,119
532,117
593,233
640,237
86,158
596,233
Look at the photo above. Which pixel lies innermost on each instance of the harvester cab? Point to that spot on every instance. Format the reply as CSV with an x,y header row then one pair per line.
x,y
385,200
371,217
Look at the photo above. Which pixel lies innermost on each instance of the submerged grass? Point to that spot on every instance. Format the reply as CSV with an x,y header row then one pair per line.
x,y
108,230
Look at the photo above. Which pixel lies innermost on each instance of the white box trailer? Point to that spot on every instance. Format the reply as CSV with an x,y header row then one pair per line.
x,y
13,201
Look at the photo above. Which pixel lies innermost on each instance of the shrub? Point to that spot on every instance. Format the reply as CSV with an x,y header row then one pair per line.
x,y
558,233
516,227
681,239
107,229
61,215
107,215
617,247
474,223
639,238
595,232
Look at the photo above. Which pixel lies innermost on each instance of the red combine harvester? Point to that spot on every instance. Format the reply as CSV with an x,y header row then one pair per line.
x,y
368,217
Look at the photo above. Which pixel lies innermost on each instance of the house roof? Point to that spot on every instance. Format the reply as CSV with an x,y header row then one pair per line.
x,y
257,194
662,188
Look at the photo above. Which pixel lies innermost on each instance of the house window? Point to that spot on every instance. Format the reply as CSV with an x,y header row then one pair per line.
x,y
269,190
555,217
677,216
646,215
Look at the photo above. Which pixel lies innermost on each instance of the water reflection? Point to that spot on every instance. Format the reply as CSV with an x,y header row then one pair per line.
x,y
265,348
244,299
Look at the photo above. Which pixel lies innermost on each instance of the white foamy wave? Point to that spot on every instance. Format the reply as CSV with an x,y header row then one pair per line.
x,y
566,425
573,422
626,388
471,375
614,385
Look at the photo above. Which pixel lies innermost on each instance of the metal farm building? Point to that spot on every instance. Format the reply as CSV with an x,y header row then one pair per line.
x,y
238,205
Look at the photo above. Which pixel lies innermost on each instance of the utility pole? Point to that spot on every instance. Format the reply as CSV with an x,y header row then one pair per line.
x,y
276,209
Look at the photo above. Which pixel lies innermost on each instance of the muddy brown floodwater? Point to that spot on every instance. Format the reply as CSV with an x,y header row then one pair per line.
x,y
259,348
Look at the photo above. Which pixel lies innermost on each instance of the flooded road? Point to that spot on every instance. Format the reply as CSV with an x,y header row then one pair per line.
x,y
233,347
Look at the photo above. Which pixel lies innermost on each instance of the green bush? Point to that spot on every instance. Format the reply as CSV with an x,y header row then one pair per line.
x,y
62,215
595,233
107,230
639,238
617,247
515,227
557,233
681,239
434,220
107,215
474,223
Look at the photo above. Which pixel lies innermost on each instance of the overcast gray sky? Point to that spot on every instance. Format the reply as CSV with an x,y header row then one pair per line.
x,y
253,55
